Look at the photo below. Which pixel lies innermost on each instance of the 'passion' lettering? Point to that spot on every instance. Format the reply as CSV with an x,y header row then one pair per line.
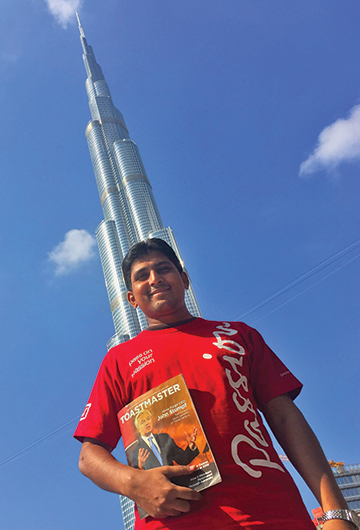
x,y
239,384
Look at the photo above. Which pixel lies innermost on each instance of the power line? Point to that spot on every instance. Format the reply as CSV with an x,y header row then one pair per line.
x,y
300,279
307,288
38,442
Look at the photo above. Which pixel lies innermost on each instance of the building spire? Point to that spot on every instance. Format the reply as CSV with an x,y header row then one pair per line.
x,y
126,196
82,34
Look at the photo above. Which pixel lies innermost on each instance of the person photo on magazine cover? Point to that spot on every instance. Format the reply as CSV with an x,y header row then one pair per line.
x,y
154,450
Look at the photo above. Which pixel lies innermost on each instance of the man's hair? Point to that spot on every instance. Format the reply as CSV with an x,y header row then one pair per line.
x,y
143,248
139,414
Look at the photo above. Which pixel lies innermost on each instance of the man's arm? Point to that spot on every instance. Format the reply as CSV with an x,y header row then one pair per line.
x,y
303,450
150,489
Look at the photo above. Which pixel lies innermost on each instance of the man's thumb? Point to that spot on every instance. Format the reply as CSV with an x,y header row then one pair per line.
x,y
178,471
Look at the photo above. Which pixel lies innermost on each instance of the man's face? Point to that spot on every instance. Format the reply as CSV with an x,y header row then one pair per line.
x,y
145,425
158,289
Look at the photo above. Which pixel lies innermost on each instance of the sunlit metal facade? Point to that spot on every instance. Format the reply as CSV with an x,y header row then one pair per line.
x,y
126,197
129,208
348,479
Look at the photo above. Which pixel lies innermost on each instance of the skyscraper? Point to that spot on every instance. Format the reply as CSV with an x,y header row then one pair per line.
x,y
348,479
129,208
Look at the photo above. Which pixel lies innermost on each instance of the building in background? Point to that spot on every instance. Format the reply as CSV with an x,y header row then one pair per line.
x,y
348,480
129,208
317,515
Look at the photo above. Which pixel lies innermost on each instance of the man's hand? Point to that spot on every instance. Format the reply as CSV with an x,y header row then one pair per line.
x,y
143,455
150,489
153,491
191,438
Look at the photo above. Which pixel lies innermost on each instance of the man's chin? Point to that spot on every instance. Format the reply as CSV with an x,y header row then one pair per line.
x,y
161,303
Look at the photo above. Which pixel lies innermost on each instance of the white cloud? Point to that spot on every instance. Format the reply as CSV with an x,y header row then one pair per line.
x,y
64,10
339,142
76,249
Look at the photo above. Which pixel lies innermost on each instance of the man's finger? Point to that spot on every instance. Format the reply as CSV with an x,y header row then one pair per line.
x,y
181,491
181,506
177,471
187,494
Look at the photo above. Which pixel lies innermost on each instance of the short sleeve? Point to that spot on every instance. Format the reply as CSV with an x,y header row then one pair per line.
x,y
269,377
99,419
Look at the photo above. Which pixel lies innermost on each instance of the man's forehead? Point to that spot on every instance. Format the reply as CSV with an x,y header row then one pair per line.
x,y
149,259
144,416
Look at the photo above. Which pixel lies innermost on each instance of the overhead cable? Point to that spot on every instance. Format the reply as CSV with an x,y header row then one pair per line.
x,y
37,442
300,279
307,288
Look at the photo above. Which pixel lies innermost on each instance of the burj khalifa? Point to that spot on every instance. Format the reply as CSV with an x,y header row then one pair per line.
x,y
126,196
128,204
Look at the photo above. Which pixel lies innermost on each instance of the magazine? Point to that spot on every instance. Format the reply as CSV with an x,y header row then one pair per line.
x,y
161,427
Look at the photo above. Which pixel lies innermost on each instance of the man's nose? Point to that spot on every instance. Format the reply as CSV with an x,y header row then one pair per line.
x,y
155,277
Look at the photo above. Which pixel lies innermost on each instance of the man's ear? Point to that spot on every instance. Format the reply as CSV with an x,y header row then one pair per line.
x,y
185,280
131,299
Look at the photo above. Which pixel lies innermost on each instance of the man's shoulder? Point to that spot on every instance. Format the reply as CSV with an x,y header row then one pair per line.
x,y
122,347
116,356
162,436
226,325
138,444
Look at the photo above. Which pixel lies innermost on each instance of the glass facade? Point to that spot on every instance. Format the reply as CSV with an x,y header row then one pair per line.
x,y
128,204
127,510
348,479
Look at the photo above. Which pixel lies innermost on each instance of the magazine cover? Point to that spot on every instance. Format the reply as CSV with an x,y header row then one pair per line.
x,y
162,428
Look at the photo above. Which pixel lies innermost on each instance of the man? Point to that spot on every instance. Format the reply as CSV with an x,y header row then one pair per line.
x,y
154,450
231,374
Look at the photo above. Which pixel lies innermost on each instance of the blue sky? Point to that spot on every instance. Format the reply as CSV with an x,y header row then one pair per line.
x,y
247,118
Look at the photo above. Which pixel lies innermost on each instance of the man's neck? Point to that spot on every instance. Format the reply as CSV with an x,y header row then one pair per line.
x,y
165,325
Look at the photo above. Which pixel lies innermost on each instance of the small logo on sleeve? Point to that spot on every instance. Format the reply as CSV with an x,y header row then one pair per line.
x,y
284,373
86,411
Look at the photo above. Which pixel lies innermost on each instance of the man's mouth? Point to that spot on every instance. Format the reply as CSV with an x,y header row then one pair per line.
x,y
159,291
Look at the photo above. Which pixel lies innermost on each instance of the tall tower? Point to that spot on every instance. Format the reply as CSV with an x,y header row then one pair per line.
x,y
129,208
127,200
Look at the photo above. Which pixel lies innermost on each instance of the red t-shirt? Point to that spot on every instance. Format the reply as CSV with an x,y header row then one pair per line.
x,y
230,373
